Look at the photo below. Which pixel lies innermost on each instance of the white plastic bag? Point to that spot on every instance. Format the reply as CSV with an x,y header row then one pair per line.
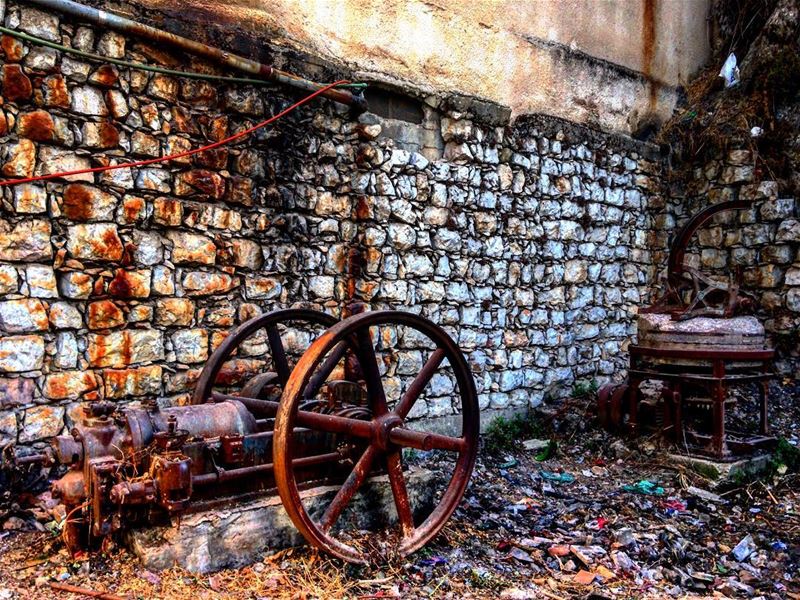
x,y
730,71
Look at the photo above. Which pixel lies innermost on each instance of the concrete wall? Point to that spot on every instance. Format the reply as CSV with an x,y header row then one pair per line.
x,y
610,63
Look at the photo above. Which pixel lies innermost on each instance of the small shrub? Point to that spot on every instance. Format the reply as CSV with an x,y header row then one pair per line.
x,y
785,455
585,388
503,434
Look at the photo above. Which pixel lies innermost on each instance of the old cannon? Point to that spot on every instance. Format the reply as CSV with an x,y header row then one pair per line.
x,y
333,415
699,341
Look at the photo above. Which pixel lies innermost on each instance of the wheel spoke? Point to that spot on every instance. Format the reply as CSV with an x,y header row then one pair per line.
x,y
319,378
422,440
278,354
348,489
398,482
420,381
372,375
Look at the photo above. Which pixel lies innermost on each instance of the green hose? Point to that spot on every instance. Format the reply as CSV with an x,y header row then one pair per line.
x,y
143,67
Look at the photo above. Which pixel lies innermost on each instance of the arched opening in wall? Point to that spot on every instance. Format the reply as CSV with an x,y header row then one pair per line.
x,y
412,124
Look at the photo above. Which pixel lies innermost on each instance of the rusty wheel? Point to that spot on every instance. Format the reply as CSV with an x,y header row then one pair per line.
x,y
277,328
396,366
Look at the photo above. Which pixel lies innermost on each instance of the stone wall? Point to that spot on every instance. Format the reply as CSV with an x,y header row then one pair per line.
x,y
529,243
762,243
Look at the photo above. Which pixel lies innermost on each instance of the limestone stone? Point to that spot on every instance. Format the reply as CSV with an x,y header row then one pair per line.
x,y
89,100
174,312
39,23
189,248
30,199
16,85
100,135
130,283
145,144
42,422
20,316
163,282
122,348
149,248
111,44
246,254
263,288
153,179
9,281
8,427
69,385
94,241
75,285
141,381
55,160
105,76
238,534
104,314
200,182
27,241
21,353
40,281
82,202
36,125
16,391
190,345
205,283
66,356
167,211
20,159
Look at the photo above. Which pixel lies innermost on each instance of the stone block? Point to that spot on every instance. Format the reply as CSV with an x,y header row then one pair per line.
x,y
238,534
20,316
21,353
123,348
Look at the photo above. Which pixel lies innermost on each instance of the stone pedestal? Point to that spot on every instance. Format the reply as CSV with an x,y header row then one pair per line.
x,y
237,533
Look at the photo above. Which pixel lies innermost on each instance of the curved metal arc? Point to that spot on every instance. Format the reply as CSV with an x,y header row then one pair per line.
x,y
677,250
225,350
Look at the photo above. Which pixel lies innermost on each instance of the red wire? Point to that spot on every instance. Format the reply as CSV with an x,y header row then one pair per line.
x,y
151,161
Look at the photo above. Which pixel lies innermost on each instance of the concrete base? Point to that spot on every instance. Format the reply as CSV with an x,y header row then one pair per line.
x,y
239,533
722,473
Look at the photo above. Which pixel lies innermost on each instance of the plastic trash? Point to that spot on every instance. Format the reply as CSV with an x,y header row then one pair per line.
x,y
645,487
730,71
744,548
557,477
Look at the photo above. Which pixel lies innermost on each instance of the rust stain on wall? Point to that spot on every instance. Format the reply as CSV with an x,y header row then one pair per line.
x,y
649,49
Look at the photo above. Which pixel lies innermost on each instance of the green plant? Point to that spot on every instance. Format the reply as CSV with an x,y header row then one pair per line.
x,y
785,455
503,433
584,388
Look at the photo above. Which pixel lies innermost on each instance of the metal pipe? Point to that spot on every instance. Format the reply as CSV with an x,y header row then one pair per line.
x,y
124,25
223,475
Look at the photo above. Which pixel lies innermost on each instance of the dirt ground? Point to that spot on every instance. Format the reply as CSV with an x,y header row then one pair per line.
x,y
599,518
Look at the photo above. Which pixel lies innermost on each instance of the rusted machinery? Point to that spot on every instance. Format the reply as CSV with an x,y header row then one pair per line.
x,y
697,341
320,417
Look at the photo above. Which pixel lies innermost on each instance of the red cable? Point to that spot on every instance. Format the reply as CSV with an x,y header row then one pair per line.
x,y
151,161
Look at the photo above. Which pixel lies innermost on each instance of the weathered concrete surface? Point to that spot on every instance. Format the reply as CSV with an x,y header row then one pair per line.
x,y
237,534
720,473
612,64
736,333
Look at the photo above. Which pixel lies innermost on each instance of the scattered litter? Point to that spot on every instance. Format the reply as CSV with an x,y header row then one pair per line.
x,y
705,494
535,445
730,71
557,477
744,548
645,487
547,452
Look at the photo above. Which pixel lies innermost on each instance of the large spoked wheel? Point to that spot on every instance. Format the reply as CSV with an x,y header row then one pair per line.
x,y
275,328
399,354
